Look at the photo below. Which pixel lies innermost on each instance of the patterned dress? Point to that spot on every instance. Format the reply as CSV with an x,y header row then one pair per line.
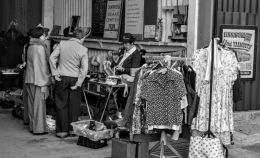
x,y
225,73
163,93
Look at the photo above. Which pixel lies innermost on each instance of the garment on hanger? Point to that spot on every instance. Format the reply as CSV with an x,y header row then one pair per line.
x,y
225,73
163,93
192,97
164,114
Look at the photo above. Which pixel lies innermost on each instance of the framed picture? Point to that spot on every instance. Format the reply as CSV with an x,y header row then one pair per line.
x,y
74,23
55,30
243,41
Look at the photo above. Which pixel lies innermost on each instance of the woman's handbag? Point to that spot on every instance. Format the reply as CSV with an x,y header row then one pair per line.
x,y
204,147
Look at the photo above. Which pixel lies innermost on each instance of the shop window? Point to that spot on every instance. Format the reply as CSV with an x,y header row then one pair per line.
x,y
98,17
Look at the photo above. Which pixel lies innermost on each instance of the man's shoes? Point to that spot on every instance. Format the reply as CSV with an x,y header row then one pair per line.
x,y
40,133
26,123
43,133
72,134
62,134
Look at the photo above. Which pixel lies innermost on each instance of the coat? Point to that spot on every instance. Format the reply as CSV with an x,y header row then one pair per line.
x,y
37,66
133,61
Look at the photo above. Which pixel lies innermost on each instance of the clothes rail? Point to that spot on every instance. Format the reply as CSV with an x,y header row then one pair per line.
x,y
172,58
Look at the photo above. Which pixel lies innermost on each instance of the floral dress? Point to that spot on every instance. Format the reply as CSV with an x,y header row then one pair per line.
x,y
225,73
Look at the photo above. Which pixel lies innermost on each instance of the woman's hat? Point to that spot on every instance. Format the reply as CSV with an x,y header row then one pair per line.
x,y
46,30
36,32
128,38
87,31
82,32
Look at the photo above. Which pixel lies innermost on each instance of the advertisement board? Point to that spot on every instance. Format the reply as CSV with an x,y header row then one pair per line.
x,y
113,19
243,41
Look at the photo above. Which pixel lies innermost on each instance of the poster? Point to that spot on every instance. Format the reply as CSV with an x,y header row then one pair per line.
x,y
113,18
242,39
134,18
149,31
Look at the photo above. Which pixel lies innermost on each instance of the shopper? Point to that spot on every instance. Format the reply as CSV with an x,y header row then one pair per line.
x,y
69,66
11,54
23,65
13,41
37,79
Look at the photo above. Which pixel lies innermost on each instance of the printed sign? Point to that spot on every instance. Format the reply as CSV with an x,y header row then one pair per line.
x,y
149,31
242,39
134,18
113,18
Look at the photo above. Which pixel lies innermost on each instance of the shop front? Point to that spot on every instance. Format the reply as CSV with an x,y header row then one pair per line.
x,y
177,28
196,71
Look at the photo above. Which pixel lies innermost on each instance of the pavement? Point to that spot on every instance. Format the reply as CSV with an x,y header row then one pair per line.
x,y
246,135
17,142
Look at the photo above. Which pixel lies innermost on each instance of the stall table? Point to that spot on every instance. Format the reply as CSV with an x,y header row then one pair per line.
x,y
111,87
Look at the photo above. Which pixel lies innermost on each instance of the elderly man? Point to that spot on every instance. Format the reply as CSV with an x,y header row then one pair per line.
x,y
69,66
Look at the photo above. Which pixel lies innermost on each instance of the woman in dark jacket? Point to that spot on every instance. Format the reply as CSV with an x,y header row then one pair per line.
x,y
131,57
13,41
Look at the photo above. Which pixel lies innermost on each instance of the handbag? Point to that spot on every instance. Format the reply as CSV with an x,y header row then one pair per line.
x,y
204,147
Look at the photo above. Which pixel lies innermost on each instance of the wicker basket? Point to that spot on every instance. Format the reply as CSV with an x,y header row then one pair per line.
x,y
83,141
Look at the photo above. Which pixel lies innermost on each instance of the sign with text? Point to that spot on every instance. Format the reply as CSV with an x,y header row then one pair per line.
x,y
134,18
149,31
242,39
113,18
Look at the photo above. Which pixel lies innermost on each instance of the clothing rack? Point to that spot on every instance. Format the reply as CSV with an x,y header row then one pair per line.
x,y
209,133
172,58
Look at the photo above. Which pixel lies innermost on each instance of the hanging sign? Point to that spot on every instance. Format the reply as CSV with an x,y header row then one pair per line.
x,y
134,18
242,39
113,18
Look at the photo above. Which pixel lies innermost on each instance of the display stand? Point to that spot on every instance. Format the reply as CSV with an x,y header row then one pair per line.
x,y
209,133
163,142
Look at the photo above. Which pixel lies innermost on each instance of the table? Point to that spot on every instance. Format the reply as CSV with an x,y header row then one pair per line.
x,y
110,86
9,79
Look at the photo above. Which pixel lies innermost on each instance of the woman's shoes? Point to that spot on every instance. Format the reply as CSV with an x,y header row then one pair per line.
x,y
43,133
62,134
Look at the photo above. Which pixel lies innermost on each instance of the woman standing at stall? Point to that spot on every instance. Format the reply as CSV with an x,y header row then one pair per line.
x,y
130,60
37,79
131,57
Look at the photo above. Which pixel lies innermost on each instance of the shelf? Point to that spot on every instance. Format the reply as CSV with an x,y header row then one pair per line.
x,y
172,7
149,46
168,7
88,39
151,43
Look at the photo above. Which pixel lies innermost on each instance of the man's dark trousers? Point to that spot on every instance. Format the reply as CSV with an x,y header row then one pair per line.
x,y
67,103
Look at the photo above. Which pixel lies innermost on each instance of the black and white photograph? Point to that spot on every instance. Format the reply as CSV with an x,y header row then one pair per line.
x,y
129,79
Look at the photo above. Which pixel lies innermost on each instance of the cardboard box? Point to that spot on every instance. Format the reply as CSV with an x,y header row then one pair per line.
x,y
122,148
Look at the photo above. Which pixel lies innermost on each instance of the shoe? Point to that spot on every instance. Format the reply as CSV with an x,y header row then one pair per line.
x,y
26,124
40,133
72,134
62,134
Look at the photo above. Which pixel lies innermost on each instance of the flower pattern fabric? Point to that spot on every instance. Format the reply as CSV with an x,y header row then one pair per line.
x,y
222,104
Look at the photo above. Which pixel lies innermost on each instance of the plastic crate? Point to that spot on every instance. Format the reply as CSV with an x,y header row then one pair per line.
x,y
83,141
